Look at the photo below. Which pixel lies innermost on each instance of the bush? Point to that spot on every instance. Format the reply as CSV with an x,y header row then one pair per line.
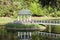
x,y
58,13
36,9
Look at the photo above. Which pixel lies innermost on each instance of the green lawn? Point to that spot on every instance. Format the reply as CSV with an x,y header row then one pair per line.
x,y
4,20
44,18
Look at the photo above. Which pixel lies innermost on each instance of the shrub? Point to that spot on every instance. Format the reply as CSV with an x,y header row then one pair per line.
x,y
36,9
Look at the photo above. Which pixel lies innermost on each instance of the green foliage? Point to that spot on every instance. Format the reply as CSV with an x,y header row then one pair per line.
x,y
36,9
7,11
10,8
58,13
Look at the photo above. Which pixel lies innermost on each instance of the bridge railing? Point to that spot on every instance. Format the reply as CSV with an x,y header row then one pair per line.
x,y
50,36
47,21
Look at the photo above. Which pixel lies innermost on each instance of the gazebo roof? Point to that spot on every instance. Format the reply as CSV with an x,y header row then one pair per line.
x,y
24,12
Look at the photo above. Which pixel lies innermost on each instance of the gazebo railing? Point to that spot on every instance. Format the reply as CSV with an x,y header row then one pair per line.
x,y
47,21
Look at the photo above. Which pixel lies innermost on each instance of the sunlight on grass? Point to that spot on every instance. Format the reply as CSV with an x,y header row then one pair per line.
x,y
44,18
4,20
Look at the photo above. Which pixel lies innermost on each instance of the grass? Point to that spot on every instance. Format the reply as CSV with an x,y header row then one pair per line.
x,y
4,20
44,18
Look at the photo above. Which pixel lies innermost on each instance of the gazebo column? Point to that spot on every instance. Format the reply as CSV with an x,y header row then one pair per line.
x,y
18,18
30,18
27,18
24,18
21,17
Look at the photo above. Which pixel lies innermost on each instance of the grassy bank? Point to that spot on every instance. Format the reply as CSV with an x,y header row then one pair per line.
x,y
4,20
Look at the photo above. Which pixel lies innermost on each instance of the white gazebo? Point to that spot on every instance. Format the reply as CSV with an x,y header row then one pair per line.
x,y
24,15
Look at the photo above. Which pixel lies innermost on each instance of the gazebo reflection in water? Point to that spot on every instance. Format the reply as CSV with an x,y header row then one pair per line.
x,y
24,35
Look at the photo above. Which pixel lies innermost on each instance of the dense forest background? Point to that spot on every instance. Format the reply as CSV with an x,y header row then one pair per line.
x,y
10,8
